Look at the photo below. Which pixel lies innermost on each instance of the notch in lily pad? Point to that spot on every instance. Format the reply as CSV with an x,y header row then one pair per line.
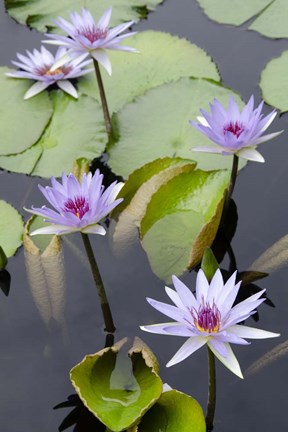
x,y
117,384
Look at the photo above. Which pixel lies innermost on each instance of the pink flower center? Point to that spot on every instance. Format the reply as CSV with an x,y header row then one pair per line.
x,y
46,71
79,206
93,34
207,318
234,127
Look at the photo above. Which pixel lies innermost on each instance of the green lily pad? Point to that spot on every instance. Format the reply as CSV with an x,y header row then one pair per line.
x,y
162,58
141,176
11,229
137,193
76,130
270,18
273,82
22,121
156,125
182,219
174,412
117,386
39,14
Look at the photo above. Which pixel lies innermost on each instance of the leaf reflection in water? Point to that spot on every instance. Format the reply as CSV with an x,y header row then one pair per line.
x,y
46,276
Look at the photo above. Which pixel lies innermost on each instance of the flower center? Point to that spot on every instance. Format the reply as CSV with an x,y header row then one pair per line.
x,y
46,70
207,318
93,34
234,127
78,206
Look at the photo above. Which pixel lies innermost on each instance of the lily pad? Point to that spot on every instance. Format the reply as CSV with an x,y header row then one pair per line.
x,y
39,14
274,84
11,229
141,176
182,219
117,386
174,412
270,18
137,193
162,58
156,125
76,130
22,121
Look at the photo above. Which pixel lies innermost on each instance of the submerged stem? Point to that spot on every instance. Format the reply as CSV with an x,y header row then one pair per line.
x,y
233,177
211,391
106,311
104,104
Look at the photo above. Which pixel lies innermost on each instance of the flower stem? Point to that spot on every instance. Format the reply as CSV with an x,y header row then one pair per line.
x,y
106,311
211,391
104,104
233,177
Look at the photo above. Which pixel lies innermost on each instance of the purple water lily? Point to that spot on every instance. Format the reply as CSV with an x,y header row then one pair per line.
x,y
233,131
209,318
78,206
87,37
39,66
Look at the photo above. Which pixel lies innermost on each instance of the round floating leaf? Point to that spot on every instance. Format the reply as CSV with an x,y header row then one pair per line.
x,y
139,177
21,121
11,229
40,14
117,386
162,58
137,193
156,125
182,219
76,130
174,412
274,84
270,18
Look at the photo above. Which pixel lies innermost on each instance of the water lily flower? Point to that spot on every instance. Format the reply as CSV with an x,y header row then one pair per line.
x,y
208,318
79,206
87,37
235,132
39,66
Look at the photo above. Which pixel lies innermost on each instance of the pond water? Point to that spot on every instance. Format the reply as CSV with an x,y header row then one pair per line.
x,y
35,362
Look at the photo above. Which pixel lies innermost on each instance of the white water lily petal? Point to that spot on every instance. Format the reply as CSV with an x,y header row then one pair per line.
x,y
251,332
87,36
174,297
171,311
94,229
170,328
52,229
267,137
79,206
188,348
250,154
35,89
67,87
185,295
47,69
210,319
233,131
103,59
229,360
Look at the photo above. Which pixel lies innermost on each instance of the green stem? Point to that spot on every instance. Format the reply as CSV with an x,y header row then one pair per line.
x,y
104,104
211,392
233,177
106,311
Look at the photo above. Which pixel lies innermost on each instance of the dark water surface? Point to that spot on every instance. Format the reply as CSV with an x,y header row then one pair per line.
x,y
35,363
